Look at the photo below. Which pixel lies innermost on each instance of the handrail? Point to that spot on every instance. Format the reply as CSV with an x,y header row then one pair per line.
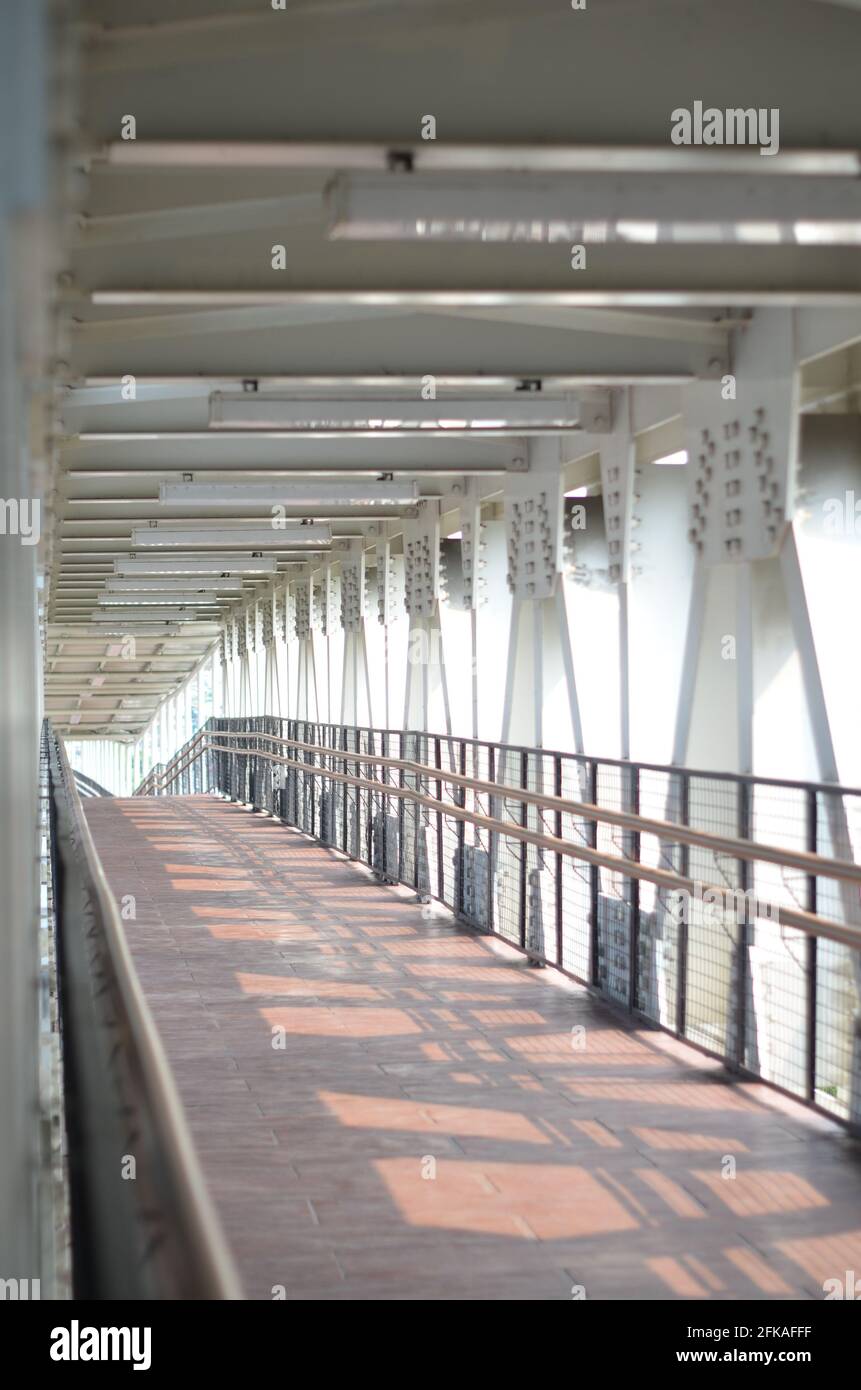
x,y
749,850
89,784
624,764
808,922
110,1040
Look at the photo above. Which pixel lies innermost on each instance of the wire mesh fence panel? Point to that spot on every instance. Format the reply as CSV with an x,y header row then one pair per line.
x,y
613,938
380,828
329,796
364,804
661,936
778,1019
451,877
509,858
339,790
353,809
424,822
837,993
475,890
308,784
714,939
542,871
574,784
408,750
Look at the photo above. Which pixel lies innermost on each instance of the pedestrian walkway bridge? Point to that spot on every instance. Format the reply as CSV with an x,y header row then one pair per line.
x,y
385,1102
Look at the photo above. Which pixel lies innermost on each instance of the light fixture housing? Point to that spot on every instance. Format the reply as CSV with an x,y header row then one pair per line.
x,y
126,625
518,413
143,615
445,157
153,596
281,538
206,585
235,563
313,495
704,206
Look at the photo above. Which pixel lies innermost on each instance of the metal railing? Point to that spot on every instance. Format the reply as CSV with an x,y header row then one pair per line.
x,y
723,908
88,786
142,1223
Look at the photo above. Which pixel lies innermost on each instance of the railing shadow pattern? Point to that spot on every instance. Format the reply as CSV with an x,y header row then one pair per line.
x,y
694,899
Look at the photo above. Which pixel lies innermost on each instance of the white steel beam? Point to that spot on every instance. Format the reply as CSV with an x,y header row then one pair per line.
x,y
171,223
251,315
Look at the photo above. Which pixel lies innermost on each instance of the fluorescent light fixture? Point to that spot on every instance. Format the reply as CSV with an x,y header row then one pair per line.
x,y
190,437
442,156
670,207
519,413
141,615
341,385
673,460
283,538
219,584
153,596
578,492
121,625
236,563
105,437
827,234
312,495
417,300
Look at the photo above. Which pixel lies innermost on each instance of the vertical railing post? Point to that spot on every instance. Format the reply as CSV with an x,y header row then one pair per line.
x,y
811,897
557,830
381,772
492,845
345,794
459,799
440,873
632,850
419,756
312,762
684,784
523,906
744,828
356,838
594,885
370,772
401,808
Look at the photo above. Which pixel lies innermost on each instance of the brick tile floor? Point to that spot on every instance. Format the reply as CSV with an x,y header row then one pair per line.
x,y
387,1105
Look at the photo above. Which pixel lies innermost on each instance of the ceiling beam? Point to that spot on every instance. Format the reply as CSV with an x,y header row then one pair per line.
x,y
439,156
173,223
